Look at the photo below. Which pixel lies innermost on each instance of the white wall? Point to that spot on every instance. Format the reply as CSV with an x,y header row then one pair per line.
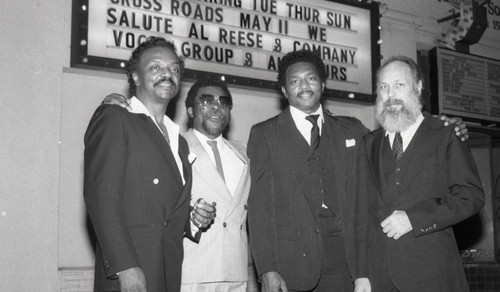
x,y
45,110
32,50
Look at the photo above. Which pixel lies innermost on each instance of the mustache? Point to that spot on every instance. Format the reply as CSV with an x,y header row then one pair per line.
x,y
393,101
163,79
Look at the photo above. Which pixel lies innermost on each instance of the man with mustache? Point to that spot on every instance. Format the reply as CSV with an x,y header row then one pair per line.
x,y
137,182
219,262
302,172
416,180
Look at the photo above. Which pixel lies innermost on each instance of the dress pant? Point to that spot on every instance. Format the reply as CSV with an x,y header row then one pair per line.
x,y
334,274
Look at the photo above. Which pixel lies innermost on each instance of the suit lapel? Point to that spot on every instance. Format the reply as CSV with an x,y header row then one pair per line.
x,y
374,142
419,151
297,150
157,137
186,167
242,182
204,165
333,136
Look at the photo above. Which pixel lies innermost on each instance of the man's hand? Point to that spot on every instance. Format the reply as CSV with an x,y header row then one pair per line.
x,y
362,285
460,127
396,225
203,213
132,280
272,282
117,99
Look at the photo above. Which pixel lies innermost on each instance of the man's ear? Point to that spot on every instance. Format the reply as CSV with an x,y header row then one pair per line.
x,y
190,112
419,87
136,79
284,92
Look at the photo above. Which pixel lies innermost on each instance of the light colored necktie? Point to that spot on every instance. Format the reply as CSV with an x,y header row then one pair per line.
x,y
397,146
218,161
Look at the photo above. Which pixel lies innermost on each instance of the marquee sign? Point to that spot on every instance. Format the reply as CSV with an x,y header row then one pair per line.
x,y
241,41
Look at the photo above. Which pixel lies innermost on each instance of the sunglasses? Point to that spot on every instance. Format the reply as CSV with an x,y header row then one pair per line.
x,y
209,100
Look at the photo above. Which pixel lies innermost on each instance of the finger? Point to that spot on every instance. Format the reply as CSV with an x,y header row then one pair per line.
x,y
206,207
391,233
452,121
205,217
197,222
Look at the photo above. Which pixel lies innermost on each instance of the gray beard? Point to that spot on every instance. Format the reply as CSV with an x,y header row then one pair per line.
x,y
398,120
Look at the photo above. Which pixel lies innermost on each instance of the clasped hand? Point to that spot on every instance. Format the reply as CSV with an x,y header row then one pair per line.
x,y
203,213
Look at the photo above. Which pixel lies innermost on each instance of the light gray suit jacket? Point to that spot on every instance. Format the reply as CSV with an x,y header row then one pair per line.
x,y
222,253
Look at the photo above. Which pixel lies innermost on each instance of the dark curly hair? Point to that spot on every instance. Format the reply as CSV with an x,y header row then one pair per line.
x,y
135,58
205,82
300,56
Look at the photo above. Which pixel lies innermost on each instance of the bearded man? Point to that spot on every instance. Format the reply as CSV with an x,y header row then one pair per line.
x,y
416,180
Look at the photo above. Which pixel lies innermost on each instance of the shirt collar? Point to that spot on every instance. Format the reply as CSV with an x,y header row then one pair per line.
x,y
203,139
300,117
137,107
407,134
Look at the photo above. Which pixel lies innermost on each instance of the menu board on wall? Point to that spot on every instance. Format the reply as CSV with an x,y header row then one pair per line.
x,y
465,85
241,41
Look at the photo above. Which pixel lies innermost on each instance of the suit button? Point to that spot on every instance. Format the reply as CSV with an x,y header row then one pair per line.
x,y
316,230
245,207
398,169
156,181
224,224
165,224
397,183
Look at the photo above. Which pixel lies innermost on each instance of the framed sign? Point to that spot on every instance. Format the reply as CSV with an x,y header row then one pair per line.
x,y
465,85
239,41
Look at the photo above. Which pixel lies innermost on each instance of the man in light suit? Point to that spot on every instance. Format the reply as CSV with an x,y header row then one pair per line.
x,y
219,262
137,181
302,173
416,180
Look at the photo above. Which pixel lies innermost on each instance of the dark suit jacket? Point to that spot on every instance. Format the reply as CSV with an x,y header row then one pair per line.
x,y
439,187
135,199
283,215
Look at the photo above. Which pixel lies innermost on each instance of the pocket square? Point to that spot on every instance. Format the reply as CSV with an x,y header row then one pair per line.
x,y
350,142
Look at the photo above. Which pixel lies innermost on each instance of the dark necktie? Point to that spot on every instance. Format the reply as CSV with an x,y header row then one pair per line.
x,y
397,146
314,131
218,161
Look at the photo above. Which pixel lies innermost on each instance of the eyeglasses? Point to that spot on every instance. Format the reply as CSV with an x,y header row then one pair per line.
x,y
209,100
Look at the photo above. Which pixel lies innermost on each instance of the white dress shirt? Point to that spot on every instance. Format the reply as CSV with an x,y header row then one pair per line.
x,y
231,164
303,125
137,107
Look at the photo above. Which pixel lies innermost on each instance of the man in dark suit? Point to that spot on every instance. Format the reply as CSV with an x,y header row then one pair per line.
x,y
416,180
138,180
302,172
